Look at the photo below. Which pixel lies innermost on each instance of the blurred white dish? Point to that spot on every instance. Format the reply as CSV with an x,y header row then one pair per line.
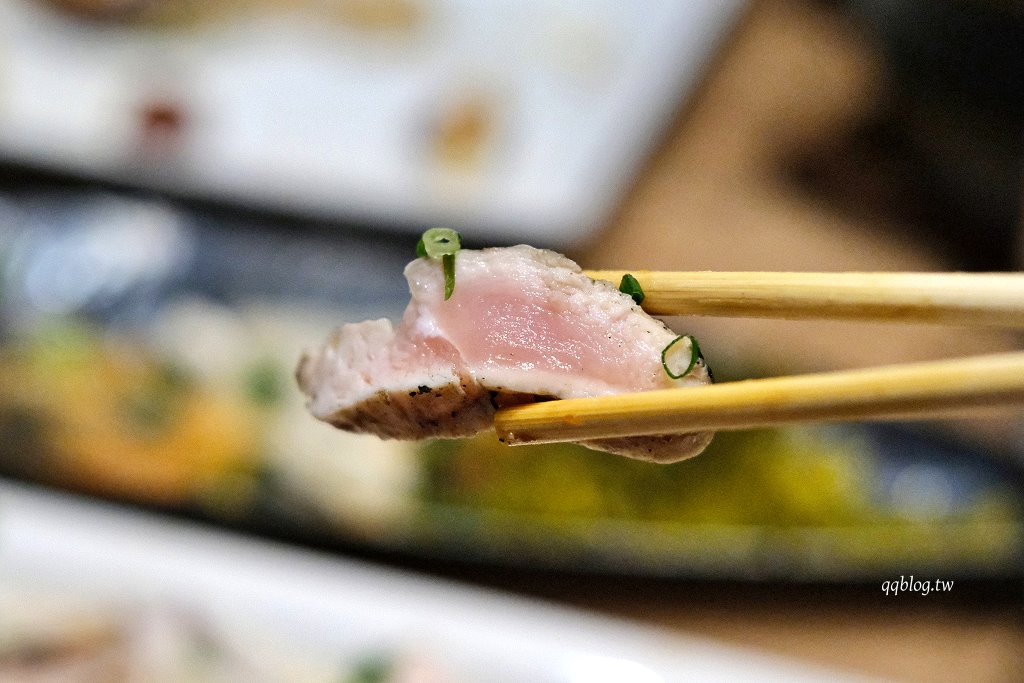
x,y
337,606
516,120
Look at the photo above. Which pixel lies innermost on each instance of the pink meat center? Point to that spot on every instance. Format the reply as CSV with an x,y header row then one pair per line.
x,y
502,330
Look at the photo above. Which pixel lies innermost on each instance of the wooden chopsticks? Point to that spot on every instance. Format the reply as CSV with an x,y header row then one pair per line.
x,y
995,299
916,390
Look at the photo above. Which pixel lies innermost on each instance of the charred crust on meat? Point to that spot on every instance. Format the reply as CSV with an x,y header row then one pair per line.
x,y
661,448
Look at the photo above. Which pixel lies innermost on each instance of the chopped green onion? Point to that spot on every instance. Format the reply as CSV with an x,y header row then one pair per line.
x,y
694,356
629,285
448,265
437,242
442,243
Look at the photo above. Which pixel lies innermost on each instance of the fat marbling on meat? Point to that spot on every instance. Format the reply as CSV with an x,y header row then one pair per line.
x,y
522,324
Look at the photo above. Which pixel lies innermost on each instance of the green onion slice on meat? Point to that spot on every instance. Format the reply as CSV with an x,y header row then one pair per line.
x,y
680,356
441,243
629,285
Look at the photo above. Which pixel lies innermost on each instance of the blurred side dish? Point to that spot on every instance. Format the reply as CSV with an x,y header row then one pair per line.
x,y
147,355
117,421
197,410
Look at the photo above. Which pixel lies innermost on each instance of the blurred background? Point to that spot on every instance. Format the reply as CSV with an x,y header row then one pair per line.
x,y
192,193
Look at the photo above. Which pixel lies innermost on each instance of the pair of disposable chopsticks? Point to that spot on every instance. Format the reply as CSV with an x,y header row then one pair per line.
x,y
915,390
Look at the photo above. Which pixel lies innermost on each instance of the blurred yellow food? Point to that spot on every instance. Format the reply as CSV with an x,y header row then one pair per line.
x,y
121,423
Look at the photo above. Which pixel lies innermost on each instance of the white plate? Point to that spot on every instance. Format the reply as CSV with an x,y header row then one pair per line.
x,y
335,605
296,112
